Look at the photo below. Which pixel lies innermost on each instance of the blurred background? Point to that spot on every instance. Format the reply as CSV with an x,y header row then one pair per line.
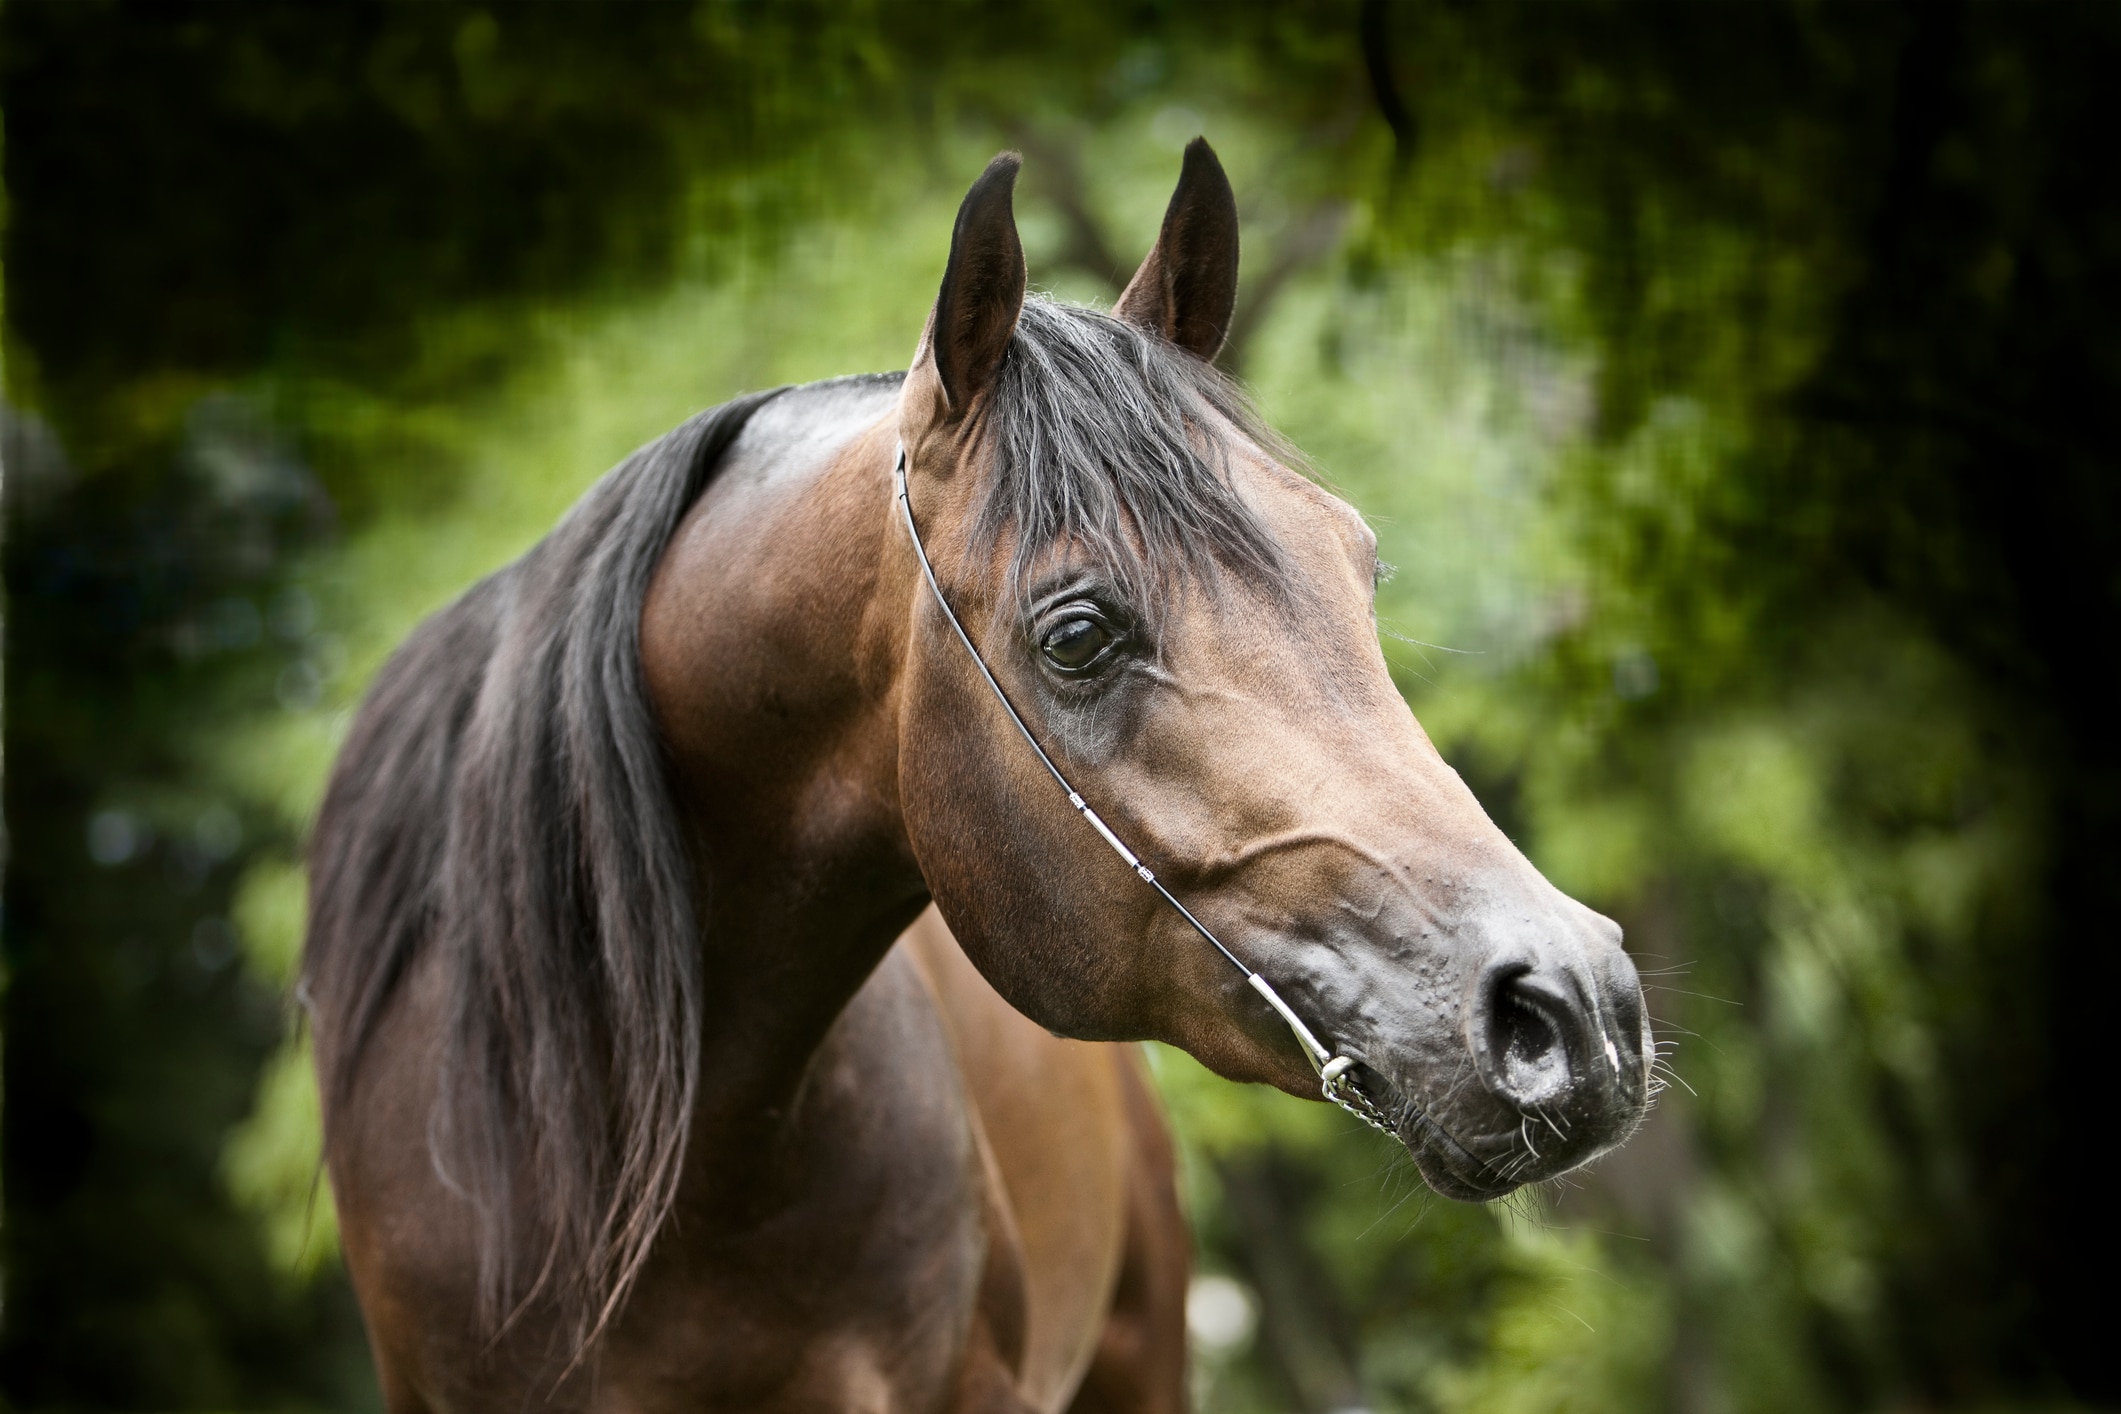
x,y
1736,387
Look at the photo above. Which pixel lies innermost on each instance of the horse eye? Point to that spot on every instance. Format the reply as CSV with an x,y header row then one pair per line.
x,y
1075,644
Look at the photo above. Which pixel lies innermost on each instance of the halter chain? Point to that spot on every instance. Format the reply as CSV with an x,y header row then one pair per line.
x,y
1335,1080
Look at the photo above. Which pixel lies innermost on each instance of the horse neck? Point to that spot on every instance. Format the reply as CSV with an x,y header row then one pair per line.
x,y
772,637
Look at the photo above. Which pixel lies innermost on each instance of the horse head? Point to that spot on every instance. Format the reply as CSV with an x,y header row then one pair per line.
x,y
1186,625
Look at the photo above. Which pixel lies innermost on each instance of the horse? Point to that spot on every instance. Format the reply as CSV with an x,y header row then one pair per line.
x,y
722,916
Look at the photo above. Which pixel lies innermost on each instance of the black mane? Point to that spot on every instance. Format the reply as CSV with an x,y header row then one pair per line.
x,y
503,797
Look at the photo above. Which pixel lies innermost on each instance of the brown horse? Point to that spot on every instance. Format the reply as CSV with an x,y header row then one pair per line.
x,y
640,1091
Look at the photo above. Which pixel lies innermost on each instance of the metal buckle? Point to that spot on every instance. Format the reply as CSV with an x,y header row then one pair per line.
x,y
1338,1085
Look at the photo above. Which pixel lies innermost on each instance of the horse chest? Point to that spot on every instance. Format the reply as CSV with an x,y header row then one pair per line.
x,y
842,1268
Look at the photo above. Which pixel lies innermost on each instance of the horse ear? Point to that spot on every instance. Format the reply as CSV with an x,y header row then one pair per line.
x,y
983,287
1187,287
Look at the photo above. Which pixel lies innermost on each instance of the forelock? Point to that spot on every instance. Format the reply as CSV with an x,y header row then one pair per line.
x,y
1112,441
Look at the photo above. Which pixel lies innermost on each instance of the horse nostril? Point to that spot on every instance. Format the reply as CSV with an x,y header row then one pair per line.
x,y
1522,1034
1525,1049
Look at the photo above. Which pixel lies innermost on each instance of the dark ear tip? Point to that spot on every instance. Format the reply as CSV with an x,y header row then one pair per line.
x,y
1201,179
1200,161
991,195
1000,172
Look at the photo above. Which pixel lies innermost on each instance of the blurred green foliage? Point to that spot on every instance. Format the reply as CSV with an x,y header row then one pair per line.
x,y
1733,387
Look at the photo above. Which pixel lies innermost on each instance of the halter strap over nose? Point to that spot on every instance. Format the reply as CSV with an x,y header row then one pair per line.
x,y
1336,1081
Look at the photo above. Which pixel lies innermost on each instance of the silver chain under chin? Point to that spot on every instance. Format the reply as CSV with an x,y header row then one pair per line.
x,y
1340,1087
1336,1077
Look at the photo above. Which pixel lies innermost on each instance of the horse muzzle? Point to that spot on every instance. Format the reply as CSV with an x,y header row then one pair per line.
x,y
1549,1069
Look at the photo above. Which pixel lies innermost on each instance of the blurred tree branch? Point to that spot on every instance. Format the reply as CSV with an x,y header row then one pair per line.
x,y
1377,61
1056,167
1303,1327
1307,237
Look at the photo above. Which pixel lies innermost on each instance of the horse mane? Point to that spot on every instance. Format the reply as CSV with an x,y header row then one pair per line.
x,y
1116,440
502,799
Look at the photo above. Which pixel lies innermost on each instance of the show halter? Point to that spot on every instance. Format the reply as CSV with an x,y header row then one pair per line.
x,y
1336,1081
